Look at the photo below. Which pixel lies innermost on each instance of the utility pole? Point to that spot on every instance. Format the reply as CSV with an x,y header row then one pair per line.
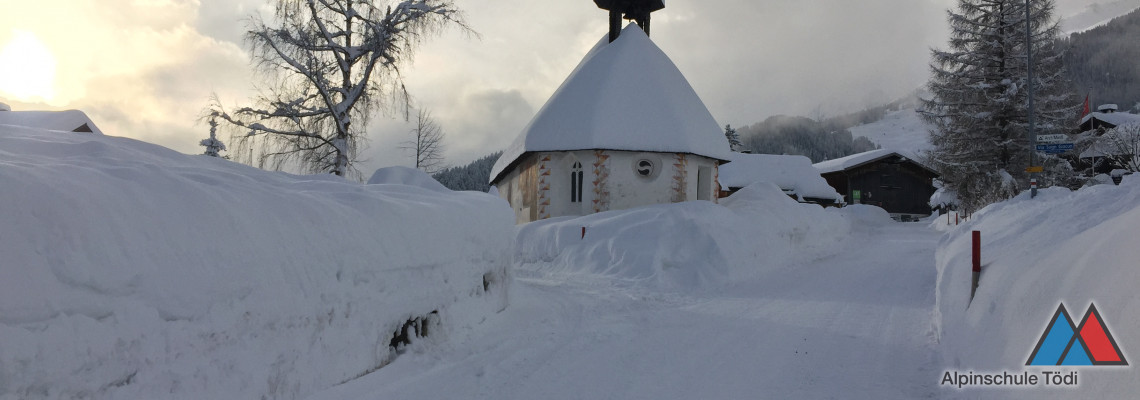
x,y
1029,82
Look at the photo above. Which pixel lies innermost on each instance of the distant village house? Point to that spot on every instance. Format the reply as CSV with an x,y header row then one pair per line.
x,y
885,178
795,175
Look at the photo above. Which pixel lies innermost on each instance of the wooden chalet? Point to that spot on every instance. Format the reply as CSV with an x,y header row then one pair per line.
x,y
888,179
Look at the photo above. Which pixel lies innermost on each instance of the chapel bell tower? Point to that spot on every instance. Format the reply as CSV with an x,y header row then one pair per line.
x,y
636,10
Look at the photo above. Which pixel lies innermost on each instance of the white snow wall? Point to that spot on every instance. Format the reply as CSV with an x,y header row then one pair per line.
x,y
128,270
1072,247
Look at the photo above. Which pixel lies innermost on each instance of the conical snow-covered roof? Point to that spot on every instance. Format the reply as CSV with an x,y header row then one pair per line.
x,y
624,95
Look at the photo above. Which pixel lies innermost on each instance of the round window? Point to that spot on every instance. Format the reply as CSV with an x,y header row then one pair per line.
x,y
644,168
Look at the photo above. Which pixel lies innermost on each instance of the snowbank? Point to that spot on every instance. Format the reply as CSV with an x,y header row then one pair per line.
x,y
133,271
683,246
406,176
1071,247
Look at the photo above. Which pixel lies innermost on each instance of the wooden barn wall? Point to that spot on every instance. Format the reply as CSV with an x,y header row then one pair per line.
x,y
898,187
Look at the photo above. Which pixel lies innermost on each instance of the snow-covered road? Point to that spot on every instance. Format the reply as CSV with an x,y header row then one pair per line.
x,y
853,325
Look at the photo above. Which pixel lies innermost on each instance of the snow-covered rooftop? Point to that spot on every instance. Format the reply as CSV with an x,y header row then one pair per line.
x,y
625,95
791,173
1114,118
855,160
66,121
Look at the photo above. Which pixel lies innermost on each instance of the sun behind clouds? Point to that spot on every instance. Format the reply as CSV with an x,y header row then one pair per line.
x,y
27,68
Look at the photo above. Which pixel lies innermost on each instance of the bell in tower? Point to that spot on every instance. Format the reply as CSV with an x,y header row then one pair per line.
x,y
636,10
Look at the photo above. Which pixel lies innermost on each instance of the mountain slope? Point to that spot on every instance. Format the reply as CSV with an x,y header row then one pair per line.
x,y
1102,62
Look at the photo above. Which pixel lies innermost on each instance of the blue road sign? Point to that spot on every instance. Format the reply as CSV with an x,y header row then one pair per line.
x,y
1055,148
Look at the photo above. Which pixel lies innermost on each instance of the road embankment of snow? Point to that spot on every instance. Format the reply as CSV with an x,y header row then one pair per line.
x,y
683,246
1072,247
132,271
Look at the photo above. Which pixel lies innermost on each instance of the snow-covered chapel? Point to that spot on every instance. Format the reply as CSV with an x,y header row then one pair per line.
x,y
624,130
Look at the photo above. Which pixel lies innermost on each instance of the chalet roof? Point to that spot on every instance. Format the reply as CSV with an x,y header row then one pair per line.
x,y
1113,118
793,174
65,121
624,95
857,160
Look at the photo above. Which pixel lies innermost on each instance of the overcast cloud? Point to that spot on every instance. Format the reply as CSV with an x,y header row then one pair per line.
x,y
145,68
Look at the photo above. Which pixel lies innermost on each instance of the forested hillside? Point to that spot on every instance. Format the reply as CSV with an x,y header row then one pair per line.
x,y
818,141
1102,62
473,176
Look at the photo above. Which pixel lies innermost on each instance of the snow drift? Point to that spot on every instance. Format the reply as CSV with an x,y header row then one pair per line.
x,y
1072,247
133,271
683,246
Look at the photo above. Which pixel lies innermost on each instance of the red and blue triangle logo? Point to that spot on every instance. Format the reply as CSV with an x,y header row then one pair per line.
x,y
1065,343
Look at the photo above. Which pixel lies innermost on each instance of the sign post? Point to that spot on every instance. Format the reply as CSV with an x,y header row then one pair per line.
x,y
977,259
1029,87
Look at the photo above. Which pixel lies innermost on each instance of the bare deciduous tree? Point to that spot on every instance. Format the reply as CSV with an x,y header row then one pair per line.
x,y
426,143
331,64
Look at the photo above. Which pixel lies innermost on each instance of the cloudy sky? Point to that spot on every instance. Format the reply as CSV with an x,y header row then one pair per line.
x,y
146,68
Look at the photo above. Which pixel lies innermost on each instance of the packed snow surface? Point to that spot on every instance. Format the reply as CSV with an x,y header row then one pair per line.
x,y
901,130
793,174
763,298
1076,248
133,271
625,95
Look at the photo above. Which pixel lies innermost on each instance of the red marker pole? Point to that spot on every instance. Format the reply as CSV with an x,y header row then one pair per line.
x,y
583,232
977,262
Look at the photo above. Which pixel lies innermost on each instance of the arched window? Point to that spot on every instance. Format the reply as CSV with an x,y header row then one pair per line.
x,y
576,183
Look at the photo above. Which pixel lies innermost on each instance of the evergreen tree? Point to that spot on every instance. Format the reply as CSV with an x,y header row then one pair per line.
x,y
212,144
979,97
473,176
733,138
802,136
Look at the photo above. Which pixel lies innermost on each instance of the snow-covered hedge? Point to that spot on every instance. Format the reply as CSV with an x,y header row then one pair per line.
x,y
132,271
683,246
1072,247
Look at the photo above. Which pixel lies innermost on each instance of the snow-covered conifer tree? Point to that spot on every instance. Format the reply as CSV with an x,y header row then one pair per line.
x,y
212,144
330,65
979,103
734,143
